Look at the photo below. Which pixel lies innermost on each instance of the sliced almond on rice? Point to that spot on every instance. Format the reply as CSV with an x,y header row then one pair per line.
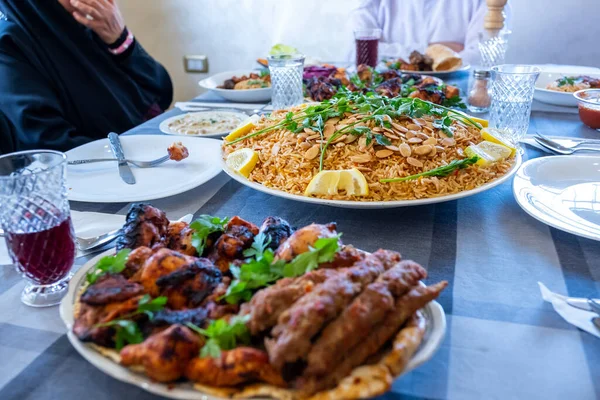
x,y
415,140
362,158
405,150
420,121
414,162
432,141
399,127
339,139
389,135
350,138
393,148
309,131
313,152
332,121
383,153
413,127
275,149
447,142
422,135
410,134
328,130
423,150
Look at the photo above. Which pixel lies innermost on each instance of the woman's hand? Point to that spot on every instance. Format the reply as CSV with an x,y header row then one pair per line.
x,y
101,16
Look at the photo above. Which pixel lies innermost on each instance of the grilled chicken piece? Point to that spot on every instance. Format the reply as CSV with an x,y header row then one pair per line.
x,y
240,365
197,316
238,236
177,151
276,231
267,304
144,226
89,315
136,260
390,74
404,307
390,88
346,257
110,288
161,263
367,310
300,323
164,355
303,238
179,238
188,286
451,91
322,88
364,73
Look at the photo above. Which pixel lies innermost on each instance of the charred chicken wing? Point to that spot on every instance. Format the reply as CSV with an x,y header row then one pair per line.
x,y
144,226
164,355
240,365
238,236
303,238
179,238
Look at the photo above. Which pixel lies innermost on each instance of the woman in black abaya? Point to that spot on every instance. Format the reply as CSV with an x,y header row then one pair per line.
x,y
70,73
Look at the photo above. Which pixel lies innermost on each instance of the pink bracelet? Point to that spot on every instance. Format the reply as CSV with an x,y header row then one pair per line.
x,y
122,48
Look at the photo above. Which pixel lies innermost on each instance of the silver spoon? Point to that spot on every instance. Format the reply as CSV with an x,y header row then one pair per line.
x,y
559,148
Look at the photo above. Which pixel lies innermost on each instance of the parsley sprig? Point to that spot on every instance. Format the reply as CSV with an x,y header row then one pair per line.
x,y
203,226
223,335
444,170
261,269
108,265
127,330
566,80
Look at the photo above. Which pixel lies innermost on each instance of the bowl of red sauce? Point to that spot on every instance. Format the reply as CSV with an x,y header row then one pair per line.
x,y
588,101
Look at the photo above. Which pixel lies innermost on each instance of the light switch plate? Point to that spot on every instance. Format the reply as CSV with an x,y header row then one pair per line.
x,y
196,63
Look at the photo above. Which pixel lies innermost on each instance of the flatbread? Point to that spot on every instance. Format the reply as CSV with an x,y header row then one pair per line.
x,y
405,344
264,390
364,382
444,58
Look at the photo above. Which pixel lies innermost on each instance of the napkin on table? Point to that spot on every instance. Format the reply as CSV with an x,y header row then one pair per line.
x,y
575,316
86,225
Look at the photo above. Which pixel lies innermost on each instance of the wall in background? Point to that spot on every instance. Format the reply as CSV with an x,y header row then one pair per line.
x,y
233,33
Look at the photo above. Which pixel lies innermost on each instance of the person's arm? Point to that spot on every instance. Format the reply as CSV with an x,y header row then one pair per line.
x,y
366,16
107,23
32,107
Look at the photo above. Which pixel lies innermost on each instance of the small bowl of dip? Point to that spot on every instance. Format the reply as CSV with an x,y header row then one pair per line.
x,y
588,101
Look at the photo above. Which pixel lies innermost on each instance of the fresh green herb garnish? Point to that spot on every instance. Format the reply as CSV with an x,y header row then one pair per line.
x,y
263,270
264,72
440,171
203,227
223,335
127,331
567,80
109,265
444,125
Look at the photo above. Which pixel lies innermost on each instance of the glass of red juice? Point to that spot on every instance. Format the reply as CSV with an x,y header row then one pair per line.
x,y
367,46
36,223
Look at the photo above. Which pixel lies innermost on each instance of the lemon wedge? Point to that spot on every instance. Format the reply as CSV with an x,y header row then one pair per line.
x,y
352,181
242,161
483,122
488,152
243,129
498,136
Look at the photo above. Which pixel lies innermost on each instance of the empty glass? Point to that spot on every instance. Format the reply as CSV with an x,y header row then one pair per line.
x,y
492,48
367,46
286,80
512,94
36,222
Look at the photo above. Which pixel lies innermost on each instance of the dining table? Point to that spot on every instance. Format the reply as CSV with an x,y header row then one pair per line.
x,y
502,340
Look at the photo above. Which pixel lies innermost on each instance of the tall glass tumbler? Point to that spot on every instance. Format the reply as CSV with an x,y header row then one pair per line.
x,y
286,80
36,222
512,94
367,46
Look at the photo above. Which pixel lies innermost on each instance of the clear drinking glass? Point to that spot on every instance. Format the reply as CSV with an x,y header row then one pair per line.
x,y
36,222
512,94
492,48
367,46
286,80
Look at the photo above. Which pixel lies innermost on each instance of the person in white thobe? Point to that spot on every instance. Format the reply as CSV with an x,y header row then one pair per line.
x,y
409,25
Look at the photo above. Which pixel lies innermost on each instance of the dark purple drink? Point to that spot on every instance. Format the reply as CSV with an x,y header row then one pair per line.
x,y
45,256
367,51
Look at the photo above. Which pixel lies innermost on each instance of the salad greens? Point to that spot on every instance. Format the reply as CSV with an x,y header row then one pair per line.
x,y
109,265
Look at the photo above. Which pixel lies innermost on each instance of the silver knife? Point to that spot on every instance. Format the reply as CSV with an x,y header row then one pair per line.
x,y
562,140
585,304
117,149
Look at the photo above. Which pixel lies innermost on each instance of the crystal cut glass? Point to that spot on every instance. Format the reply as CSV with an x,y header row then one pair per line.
x,y
492,48
286,80
36,223
512,95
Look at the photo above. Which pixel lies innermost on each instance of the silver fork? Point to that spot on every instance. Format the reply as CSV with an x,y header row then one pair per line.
x,y
85,244
139,164
560,149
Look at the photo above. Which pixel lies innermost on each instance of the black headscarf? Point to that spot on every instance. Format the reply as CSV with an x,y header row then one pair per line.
x,y
61,87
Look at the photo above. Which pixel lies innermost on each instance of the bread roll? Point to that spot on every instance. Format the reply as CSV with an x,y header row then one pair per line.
x,y
444,58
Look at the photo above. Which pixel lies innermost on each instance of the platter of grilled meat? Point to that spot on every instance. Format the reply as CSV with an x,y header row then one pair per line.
x,y
224,308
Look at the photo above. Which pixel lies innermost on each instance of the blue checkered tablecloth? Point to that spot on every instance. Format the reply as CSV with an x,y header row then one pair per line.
x,y
503,341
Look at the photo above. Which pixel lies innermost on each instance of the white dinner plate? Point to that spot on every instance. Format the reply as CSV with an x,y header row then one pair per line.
x,y
440,74
563,192
244,96
435,331
373,204
101,183
552,96
164,125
